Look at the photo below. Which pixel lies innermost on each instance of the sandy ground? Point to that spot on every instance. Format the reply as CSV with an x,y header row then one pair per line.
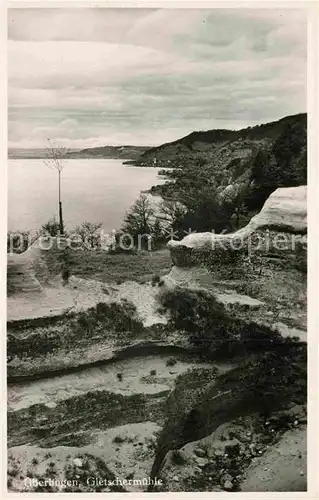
x,y
136,379
127,451
133,456
81,294
281,468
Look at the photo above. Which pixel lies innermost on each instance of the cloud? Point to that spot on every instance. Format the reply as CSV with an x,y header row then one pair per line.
x,y
147,76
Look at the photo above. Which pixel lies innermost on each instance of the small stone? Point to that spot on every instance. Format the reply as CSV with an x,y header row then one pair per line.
x,y
228,485
248,434
50,404
219,453
260,452
199,452
266,468
201,462
210,478
78,462
296,422
302,473
175,478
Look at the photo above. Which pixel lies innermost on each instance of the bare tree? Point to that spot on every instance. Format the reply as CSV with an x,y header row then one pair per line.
x,y
56,155
90,234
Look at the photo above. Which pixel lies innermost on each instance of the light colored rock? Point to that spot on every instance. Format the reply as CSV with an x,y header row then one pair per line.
x,y
285,210
240,300
78,462
21,276
27,271
228,485
201,462
285,331
50,404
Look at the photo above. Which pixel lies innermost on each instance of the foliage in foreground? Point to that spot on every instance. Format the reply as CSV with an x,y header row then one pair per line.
x,y
211,328
105,320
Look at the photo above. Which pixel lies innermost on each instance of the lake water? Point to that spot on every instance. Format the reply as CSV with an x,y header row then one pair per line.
x,y
92,190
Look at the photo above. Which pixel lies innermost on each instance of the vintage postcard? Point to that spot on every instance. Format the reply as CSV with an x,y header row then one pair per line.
x,y
156,298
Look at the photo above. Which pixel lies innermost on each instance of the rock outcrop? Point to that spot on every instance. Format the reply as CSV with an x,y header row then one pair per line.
x,y
20,276
27,271
285,211
238,456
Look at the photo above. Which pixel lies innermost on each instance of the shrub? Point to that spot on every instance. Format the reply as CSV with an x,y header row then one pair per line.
x,y
118,440
138,222
171,362
198,313
90,234
13,472
52,227
156,279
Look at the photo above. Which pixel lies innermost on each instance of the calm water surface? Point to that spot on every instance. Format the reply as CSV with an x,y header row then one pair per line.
x,y
92,190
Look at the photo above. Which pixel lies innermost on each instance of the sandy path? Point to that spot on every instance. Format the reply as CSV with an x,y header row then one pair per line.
x,y
136,379
82,294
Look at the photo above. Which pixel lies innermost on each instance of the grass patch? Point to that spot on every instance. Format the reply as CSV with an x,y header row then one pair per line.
x,y
111,268
119,440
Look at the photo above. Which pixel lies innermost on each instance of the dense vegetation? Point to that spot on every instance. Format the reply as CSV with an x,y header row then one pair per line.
x,y
212,329
223,177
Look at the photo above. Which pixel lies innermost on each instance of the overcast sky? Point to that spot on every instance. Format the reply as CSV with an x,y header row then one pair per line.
x,y
89,77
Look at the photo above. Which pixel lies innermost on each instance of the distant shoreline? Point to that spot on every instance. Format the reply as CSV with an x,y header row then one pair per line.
x,y
126,153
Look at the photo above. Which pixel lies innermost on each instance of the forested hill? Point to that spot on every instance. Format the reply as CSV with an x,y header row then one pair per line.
x,y
208,141
120,152
244,165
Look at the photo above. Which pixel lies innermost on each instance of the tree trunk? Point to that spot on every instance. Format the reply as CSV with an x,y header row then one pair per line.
x,y
60,207
61,218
